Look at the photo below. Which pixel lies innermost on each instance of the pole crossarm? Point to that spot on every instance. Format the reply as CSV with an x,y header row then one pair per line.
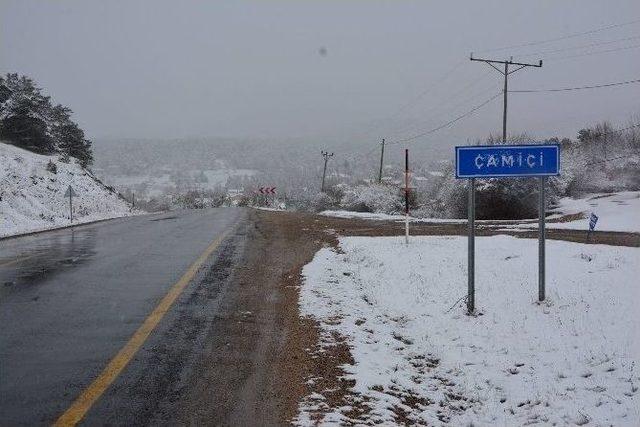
x,y
505,73
510,62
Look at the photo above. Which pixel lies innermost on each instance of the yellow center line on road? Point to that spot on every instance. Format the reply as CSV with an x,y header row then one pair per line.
x,y
15,261
91,394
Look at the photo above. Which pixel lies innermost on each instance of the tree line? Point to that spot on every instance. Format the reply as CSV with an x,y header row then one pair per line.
x,y
30,120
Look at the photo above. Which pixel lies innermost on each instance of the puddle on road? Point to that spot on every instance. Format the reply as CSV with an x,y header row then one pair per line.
x,y
163,218
29,260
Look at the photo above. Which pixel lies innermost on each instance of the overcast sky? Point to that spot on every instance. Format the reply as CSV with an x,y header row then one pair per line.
x,y
348,70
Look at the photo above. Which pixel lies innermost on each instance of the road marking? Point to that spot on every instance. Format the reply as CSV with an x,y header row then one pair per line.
x,y
15,261
91,394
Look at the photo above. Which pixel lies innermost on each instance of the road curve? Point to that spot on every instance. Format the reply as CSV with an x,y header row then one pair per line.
x,y
71,299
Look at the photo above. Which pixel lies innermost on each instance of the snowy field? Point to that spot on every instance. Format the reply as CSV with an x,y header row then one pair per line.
x,y
569,361
33,198
386,217
615,211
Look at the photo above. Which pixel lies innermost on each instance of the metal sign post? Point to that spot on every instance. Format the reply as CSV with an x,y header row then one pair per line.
x,y
507,161
541,238
70,193
471,262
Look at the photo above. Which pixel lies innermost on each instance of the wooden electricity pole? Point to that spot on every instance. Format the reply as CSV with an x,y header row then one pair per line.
x,y
406,195
326,156
381,162
505,73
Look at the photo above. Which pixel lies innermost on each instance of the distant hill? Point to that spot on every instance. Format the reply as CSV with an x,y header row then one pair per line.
x,y
32,194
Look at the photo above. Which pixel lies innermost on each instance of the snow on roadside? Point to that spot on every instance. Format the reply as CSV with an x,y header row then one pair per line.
x,y
362,215
616,211
32,198
571,360
386,217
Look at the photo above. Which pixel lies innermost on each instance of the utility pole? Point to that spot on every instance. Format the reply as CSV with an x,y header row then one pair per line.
x,y
326,156
381,162
406,196
505,73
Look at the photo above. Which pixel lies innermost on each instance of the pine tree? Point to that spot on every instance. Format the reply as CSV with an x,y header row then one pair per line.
x,y
73,143
29,120
23,114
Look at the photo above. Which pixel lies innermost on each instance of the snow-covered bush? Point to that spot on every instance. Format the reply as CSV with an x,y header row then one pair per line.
x,y
601,160
308,201
322,201
378,198
51,167
195,199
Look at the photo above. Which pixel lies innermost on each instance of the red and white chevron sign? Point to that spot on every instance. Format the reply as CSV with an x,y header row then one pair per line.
x,y
267,190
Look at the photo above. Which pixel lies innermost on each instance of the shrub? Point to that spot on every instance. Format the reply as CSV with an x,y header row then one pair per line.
x,y
51,167
379,198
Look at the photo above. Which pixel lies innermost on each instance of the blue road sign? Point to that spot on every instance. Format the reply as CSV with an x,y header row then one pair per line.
x,y
593,219
507,161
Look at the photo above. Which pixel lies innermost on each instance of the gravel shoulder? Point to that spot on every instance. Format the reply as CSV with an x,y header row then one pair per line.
x,y
260,353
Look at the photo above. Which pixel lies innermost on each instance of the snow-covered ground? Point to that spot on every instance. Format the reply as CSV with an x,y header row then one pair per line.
x,y
569,361
386,217
33,198
363,215
615,211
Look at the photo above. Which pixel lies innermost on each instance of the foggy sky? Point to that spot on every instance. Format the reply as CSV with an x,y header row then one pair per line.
x,y
318,69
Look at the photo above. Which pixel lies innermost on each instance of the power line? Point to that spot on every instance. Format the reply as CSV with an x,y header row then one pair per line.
x,y
444,113
429,89
569,36
449,123
505,73
597,52
441,105
377,124
544,52
565,89
397,127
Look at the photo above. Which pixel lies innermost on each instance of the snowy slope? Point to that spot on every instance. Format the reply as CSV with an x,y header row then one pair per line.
x,y
570,361
33,198
616,211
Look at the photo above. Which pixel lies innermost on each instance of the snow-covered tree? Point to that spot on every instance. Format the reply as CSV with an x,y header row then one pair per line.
x,y
29,120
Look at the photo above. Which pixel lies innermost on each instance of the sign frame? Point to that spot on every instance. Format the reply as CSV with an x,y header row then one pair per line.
x,y
460,148
471,211
593,220
70,192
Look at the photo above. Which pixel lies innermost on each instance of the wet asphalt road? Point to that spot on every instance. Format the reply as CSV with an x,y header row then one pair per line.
x,y
70,299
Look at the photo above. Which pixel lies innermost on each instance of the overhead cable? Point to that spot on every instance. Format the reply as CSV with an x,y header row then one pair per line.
x,y
566,89
568,36
449,123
